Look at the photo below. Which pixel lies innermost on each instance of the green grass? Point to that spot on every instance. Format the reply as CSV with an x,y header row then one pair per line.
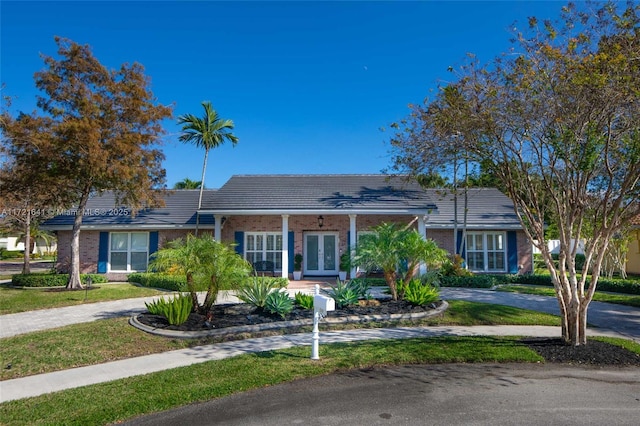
x,y
119,400
617,298
122,399
13,300
108,340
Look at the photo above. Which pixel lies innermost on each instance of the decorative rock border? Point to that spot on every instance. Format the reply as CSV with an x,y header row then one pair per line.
x,y
352,319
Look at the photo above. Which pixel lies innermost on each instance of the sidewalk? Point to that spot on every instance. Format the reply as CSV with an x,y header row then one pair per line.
x,y
614,320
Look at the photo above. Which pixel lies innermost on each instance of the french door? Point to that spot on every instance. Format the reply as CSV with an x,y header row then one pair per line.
x,y
321,253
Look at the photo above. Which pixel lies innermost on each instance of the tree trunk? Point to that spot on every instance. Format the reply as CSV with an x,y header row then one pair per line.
x,y
204,169
390,278
26,266
74,268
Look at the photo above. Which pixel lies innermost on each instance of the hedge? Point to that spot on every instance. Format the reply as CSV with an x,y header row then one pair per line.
x,y
179,282
615,285
156,280
52,280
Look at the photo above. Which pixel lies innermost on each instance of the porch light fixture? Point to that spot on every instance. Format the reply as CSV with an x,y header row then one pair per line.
x,y
320,221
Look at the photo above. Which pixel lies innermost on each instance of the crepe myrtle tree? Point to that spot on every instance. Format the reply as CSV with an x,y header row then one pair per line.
x,y
102,136
557,122
207,264
398,251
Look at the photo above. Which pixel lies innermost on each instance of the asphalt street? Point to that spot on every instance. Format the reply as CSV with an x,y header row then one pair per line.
x,y
446,394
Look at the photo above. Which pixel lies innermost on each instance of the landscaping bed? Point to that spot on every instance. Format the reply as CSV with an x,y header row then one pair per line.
x,y
244,314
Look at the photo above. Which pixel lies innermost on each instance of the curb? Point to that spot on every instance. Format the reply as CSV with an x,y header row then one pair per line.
x,y
352,319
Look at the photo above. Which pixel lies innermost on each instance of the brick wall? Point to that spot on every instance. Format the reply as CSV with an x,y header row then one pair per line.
x,y
89,241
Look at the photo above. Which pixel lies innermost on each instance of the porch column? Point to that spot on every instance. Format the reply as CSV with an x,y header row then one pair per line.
x,y
285,246
422,229
217,232
353,238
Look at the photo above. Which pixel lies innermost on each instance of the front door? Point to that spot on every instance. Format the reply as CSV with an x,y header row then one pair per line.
x,y
321,253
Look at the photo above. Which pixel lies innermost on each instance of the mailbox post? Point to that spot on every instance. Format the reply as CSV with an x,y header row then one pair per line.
x,y
321,305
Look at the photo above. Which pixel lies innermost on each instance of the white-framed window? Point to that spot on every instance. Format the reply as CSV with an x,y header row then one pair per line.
x,y
486,251
264,246
128,251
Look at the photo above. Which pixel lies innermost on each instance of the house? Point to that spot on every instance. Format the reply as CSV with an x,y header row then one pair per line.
x,y
272,217
633,251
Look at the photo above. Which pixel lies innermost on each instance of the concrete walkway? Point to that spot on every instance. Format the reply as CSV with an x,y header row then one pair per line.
x,y
615,320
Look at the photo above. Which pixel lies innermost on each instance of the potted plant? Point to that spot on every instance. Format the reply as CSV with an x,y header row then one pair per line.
x,y
344,265
297,266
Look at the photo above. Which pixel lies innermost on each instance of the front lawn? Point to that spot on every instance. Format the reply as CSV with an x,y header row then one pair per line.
x,y
108,340
13,300
617,298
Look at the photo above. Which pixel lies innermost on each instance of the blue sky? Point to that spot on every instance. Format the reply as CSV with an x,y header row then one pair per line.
x,y
307,84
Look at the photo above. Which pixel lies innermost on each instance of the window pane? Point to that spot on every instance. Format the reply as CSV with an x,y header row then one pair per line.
x,y
312,253
270,242
499,242
139,241
490,241
119,241
119,261
139,261
279,242
496,261
250,243
476,261
259,242
329,252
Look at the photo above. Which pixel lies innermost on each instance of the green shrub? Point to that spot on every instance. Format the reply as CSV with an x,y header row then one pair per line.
x,y
305,301
343,294
176,310
279,303
431,278
618,285
418,293
255,291
473,281
157,280
278,282
52,280
360,287
11,254
455,267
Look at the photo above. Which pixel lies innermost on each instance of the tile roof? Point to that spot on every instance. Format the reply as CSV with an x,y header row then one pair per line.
x,y
318,193
103,212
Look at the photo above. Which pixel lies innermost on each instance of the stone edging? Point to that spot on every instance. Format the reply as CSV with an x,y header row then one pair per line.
x,y
353,319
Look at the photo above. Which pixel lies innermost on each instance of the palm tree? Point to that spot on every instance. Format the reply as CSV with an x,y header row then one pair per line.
x,y
207,264
398,252
187,183
207,132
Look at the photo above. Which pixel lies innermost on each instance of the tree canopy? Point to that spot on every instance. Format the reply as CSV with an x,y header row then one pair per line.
x,y
557,121
101,130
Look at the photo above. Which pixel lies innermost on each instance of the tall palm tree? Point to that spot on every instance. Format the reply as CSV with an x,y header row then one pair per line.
x,y
187,183
207,132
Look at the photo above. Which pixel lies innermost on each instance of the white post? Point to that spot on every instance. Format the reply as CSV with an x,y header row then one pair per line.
x,y
285,246
422,229
217,233
353,238
316,333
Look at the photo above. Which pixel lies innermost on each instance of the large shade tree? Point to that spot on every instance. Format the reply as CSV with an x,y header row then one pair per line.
x,y
29,184
557,120
103,133
208,132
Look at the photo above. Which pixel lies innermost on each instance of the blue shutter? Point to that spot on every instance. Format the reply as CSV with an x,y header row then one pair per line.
x,y
239,238
463,254
291,247
103,252
153,242
512,252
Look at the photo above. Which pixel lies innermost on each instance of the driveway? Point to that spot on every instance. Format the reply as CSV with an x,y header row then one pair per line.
x,y
448,394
